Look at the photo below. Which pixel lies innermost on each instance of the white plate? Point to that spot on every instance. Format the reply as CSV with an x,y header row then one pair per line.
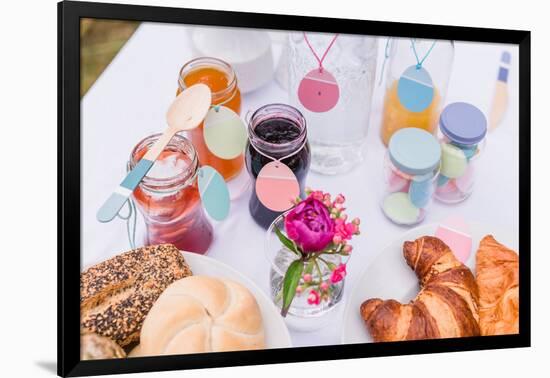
x,y
389,276
276,333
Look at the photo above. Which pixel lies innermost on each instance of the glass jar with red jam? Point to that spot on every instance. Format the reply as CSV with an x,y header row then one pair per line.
x,y
276,131
168,197
222,81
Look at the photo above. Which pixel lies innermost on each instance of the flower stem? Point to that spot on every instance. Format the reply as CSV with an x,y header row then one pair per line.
x,y
318,270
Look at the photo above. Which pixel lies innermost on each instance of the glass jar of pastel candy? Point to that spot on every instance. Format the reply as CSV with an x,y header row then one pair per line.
x,y
463,128
411,168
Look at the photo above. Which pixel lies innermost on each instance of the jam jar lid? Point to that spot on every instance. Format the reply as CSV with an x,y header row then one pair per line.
x,y
414,151
463,123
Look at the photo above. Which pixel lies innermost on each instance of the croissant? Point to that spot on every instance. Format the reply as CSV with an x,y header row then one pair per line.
x,y
497,276
446,306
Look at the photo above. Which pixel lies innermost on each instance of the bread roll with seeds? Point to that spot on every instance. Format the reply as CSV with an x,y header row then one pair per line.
x,y
116,295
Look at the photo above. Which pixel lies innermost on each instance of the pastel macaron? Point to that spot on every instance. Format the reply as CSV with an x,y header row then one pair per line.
x,y
453,161
399,209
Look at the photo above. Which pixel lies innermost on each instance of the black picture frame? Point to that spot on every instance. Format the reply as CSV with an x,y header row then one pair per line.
x,y
69,139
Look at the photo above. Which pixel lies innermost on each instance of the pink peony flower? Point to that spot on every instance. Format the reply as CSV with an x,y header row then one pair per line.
x,y
338,274
314,298
309,225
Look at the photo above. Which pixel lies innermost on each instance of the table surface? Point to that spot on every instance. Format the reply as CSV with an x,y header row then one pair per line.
x,y
129,101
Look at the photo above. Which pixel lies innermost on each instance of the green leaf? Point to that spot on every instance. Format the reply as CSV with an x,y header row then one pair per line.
x,y
290,283
286,241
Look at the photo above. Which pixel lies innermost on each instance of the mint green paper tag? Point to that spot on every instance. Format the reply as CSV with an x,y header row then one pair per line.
x,y
214,193
224,133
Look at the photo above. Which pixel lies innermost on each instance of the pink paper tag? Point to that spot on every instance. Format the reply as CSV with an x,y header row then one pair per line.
x,y
277,186
455,232
319,91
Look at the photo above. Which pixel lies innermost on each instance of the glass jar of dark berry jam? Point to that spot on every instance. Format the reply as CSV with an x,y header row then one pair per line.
x,y
276,132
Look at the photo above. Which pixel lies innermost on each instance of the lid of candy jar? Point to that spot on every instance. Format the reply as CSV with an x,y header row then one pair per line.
x,y
414,151
463,123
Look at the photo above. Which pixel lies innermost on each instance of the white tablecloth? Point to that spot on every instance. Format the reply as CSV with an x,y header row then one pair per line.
x,y
129,101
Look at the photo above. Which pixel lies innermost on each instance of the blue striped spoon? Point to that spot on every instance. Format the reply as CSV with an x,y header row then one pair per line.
x,y
186,112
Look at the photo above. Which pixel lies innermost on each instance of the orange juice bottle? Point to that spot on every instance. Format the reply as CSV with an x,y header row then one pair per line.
x,y
436,57
396,116
221,79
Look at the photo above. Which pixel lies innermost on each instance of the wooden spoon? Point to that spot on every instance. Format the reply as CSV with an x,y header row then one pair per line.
x,y
186,112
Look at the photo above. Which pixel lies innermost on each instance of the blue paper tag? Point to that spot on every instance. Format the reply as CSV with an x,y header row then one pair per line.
x,y
415,89
214,193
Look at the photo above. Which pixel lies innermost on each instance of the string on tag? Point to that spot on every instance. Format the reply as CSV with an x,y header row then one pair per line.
x,y
131,222
420,61
320,60
386,56
282,158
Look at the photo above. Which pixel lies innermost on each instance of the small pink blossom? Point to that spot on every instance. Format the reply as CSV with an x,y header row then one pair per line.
x,y
324,286
299,289
337,239
348,248
307,277
356,221
314,298
338,274
345,230
318,195
340,198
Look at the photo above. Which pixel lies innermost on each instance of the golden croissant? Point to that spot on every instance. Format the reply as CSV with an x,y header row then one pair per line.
x,y
497,276
446,306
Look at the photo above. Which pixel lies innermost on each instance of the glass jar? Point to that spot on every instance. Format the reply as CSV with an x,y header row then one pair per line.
x,y
337,136
401,57
301,315
276,130
411,167
221,79
463,128
168,197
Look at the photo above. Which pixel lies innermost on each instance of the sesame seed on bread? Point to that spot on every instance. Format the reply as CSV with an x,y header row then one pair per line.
x,y
117,294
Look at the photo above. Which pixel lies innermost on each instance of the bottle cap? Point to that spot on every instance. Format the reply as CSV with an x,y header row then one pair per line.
x,y
414,151
463,123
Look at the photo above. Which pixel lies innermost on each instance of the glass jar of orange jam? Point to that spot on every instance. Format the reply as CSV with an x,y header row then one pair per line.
x,y
168,197
438,63
221,79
